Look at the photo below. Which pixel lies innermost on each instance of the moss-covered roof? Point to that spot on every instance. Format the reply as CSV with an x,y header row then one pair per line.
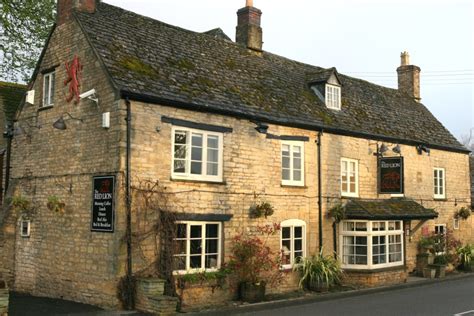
x,y
390,209
153,61
11,95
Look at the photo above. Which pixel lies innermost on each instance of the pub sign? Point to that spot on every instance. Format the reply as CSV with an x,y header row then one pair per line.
x,y
391,175
103,198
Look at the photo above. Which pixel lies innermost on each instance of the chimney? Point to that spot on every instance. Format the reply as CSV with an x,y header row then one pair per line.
x,y
249,32
66,7
409,77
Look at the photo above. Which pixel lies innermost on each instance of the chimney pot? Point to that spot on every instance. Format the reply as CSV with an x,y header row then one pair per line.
x,y
409,77
66,7
249,3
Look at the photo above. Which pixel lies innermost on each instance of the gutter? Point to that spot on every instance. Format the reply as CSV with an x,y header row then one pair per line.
x,y
140,97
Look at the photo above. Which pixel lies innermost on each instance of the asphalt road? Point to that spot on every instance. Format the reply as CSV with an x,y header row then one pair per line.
x,y
454,297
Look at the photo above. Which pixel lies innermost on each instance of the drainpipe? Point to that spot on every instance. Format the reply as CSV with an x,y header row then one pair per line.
x,y
320,195
130,298
8,134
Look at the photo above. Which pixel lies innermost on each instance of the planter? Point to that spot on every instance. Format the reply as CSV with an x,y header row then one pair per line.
x,y
467,267
440,270
318,287
422,262
429,273
4,298
252,293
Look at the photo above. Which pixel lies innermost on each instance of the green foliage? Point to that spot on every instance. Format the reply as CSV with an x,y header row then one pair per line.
x,y
263,209
337,212
24,29
441,259
466,254
204,276
55,204
319,270
19,203
136,65
463,213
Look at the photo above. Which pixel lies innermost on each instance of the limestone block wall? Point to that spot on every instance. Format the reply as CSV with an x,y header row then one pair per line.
x,y
252,173
62,257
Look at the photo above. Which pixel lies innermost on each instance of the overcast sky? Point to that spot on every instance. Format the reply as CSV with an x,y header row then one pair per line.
x,y
361,38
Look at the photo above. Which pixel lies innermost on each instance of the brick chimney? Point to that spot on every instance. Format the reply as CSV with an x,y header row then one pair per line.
x,y
65,8
249,32
409,77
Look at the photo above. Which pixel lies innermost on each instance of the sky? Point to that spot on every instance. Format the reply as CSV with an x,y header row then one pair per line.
x,y
361,38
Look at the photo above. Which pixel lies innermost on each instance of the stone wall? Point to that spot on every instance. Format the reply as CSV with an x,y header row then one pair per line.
x,y
62,258
373,279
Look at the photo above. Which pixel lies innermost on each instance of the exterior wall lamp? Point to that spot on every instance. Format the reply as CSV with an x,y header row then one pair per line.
x,y
261,128
397,149
61,123
422,148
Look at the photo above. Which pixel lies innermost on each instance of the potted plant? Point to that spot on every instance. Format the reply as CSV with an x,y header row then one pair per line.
x,y
319,272
253,264
55,204
425,255
440,263
463,213
466,254
263,209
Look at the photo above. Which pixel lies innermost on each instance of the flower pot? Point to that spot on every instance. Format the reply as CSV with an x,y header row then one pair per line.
x,y
318,287
429,273
440,270
422,261
252,292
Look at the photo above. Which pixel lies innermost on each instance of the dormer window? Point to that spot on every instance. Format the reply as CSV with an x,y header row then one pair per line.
x,y
333,97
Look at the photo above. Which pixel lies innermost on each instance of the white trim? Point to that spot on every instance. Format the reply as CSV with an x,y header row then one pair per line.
x,y
438,232
24,222
203,246
292,223
356,174
436,185
333,97
456,223
187,175
369,234
48,96
292,145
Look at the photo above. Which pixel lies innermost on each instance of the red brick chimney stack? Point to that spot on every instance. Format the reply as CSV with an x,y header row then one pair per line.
x,y
66,7
249,32
409,77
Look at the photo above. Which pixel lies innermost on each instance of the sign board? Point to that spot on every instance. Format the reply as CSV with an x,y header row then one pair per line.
x,y
391,175
103,204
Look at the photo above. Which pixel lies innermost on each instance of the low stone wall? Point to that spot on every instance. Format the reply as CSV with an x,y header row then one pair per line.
x,y
150,297
204,294
368,278
4,298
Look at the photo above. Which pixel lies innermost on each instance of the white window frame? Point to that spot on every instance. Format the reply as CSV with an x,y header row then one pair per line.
x,y
333,96
292,144
356,172
441,229
203,176
292,223
48,94
437,184
369,233
203,247
25,224
456,223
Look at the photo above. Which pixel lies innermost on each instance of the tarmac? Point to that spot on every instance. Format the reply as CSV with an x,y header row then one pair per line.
x,y
22,305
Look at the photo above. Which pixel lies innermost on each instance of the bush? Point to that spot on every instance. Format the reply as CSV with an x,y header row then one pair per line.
x,y
319,271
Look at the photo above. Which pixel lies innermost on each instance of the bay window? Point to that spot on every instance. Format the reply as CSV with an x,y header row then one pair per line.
x,y
371,244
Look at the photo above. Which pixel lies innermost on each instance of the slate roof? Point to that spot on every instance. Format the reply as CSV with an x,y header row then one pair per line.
x,y
11,95
151,61
389,209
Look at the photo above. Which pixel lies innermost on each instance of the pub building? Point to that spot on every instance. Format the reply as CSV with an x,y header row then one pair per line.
x,y
137,118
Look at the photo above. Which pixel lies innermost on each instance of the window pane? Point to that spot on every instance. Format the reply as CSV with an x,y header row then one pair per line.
x,y
297,163
211,245
348,226
46,90
180,137
179,247
181,230
285,174
297,175
286,245
196,167
298,232
353,187
211,261
179,166
285,150
286,232
180,151
212,169
285,162
212,155
212,230
213,142
197,140
298,244
196,231
361,226
179,263
196,153
53,81
195,262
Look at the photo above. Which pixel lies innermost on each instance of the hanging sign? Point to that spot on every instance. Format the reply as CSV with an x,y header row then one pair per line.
x,y
103,213
391,175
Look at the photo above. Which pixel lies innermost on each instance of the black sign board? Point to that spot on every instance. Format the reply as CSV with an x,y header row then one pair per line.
x,y
391,175
103,213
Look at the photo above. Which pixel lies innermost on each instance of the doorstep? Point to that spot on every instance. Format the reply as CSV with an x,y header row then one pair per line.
x,y
311,297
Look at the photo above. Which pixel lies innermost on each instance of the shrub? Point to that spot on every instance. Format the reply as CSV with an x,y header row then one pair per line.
x,y
319,271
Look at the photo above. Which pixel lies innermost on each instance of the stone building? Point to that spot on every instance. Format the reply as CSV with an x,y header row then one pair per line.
x,y
129,105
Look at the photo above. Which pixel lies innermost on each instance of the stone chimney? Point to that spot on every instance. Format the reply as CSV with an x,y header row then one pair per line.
x,y
249,32
66,7
409,77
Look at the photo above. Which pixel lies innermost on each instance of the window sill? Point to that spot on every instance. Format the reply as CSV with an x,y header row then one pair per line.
x,y
198,181
346,195
440,198
376,270
297,186
44,108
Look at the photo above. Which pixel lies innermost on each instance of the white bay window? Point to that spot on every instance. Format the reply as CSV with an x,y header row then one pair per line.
x,y
371,244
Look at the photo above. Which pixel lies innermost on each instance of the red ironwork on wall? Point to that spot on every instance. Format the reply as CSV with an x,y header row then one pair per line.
x,y
73,70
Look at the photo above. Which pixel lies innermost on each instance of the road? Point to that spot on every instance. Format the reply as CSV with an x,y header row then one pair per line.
x,y
454,297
